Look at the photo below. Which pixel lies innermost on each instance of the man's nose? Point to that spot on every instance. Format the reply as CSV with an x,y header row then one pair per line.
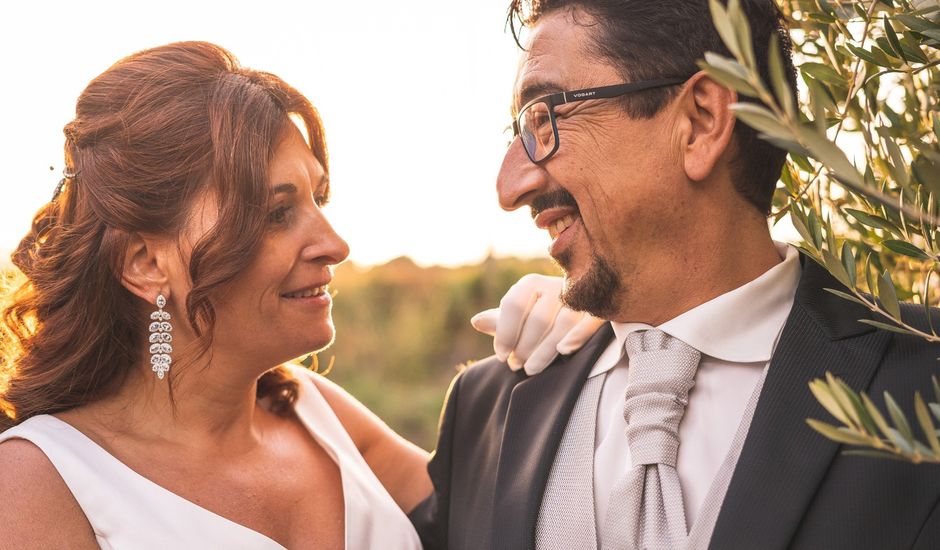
x,y
519,178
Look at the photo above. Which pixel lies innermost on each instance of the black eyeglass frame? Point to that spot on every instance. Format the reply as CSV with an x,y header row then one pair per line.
x,y
602,92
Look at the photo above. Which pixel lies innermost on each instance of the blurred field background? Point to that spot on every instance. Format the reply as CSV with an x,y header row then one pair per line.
x,y
402,331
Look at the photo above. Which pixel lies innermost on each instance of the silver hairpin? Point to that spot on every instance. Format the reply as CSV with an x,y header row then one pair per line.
x,y
66,175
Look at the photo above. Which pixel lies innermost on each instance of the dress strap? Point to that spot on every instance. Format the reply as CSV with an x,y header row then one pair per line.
x,y
373,520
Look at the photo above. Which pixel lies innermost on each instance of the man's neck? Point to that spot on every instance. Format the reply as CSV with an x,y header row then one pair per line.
x,y
713,263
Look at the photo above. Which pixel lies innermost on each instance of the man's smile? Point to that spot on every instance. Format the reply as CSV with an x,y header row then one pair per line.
x,y
558,227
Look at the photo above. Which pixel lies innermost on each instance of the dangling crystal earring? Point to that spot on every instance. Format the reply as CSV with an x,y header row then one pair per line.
x,y
160,338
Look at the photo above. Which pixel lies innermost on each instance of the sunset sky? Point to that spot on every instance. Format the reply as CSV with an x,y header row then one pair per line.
x,y
414,96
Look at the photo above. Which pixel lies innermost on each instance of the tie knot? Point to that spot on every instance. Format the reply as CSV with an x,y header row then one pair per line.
x,y
653,340
662,372
659,362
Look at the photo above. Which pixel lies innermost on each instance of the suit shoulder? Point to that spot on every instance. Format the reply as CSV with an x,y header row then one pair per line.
x,y
486,378
920,317
924,320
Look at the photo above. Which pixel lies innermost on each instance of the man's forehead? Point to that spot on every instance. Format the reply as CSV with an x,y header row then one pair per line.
x,y
555,56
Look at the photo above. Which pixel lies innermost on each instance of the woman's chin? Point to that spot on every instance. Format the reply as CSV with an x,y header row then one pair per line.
x,y
318,342
276,347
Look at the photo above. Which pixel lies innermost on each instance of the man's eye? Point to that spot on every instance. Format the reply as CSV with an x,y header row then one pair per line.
x,y
540,119
278,216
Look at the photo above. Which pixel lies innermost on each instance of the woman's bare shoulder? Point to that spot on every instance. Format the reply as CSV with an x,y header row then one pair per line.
x,y
364,427
37,509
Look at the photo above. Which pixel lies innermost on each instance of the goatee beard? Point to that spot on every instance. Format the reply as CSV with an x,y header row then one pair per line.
x,y
595,292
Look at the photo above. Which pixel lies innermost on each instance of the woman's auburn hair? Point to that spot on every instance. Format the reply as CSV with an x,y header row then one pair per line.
x,y
153,132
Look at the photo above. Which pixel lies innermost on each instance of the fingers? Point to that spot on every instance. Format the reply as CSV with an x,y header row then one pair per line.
x,y
541,358
531,324
485,321
537,325
514,362
514,308
545,352
512,316
579,335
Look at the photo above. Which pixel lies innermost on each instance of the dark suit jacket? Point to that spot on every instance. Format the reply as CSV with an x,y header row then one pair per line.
x,y
791,488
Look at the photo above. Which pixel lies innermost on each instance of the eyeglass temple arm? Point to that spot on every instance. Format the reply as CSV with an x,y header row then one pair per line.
x,y
605,92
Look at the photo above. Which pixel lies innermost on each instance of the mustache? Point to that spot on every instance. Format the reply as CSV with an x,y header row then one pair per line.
x,y
552,199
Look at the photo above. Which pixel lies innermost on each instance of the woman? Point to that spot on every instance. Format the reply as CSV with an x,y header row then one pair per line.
x,y
182,259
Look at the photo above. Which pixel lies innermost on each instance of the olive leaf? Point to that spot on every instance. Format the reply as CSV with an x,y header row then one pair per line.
x,y
888,295
862,178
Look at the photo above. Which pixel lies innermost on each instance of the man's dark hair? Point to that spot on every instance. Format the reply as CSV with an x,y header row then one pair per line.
x,y
648,39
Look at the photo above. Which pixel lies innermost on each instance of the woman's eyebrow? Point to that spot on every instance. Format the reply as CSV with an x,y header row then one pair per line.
x,y
285,188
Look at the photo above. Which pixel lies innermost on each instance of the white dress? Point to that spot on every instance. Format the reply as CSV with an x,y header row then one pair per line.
x,y
128,511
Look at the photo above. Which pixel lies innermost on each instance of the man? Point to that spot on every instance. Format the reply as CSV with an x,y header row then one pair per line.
x,y
681,424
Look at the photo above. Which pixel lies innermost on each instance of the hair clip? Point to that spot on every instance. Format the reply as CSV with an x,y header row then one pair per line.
x,y
66,175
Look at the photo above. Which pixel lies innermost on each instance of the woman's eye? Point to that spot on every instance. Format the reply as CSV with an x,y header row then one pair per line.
x,y
279,215
322,200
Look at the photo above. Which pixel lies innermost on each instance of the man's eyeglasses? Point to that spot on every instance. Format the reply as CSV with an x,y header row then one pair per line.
x,y
536,122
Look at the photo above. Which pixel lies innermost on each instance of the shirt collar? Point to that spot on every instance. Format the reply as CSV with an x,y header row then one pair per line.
x,y
742,325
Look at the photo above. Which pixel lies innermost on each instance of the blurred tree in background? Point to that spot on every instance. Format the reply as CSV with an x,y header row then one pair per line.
x,y
403,331
863,177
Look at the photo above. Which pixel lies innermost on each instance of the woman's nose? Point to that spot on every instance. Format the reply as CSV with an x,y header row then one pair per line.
x,y
327,246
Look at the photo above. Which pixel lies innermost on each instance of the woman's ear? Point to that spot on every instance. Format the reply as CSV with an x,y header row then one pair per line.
x,y
706,105
144,271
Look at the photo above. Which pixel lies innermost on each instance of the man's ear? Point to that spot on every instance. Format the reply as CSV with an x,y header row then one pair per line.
x,y
709,124
144,271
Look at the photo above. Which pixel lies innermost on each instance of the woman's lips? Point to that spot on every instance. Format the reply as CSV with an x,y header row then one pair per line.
x,y
306,292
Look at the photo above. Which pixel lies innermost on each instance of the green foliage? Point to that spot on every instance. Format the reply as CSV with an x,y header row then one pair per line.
x,y
871,71
863,424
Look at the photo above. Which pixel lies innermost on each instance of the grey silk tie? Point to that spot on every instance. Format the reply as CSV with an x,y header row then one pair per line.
x,y
646,510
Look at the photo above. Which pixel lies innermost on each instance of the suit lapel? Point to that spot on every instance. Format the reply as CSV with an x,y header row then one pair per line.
x,y
783,461
538,412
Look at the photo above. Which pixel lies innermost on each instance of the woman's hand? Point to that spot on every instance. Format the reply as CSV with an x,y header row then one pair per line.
x,y
531,326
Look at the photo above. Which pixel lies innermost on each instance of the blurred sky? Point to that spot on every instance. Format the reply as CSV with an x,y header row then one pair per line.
x,y
414,96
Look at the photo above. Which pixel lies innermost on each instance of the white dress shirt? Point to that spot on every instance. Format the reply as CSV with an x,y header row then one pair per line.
x,y
736,334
